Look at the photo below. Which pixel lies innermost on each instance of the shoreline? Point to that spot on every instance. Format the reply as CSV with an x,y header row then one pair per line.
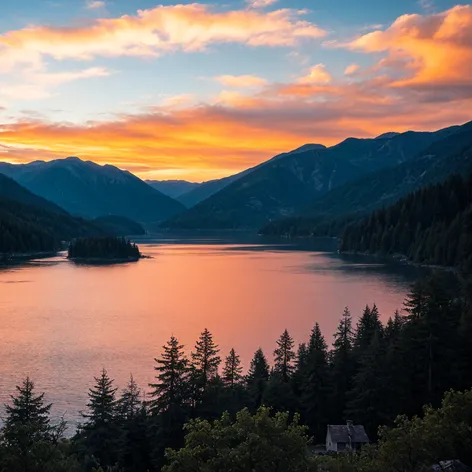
x,y
103,260
402,259
13,258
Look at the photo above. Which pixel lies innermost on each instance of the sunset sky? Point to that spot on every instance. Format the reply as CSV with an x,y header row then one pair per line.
x,y
202,90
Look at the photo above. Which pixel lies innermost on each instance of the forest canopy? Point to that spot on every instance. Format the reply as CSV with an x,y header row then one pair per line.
x,y
107,248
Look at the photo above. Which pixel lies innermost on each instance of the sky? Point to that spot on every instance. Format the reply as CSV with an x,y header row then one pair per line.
x,y
199,91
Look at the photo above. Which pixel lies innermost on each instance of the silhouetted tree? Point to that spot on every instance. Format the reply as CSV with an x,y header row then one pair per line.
x,y
284,356
257,378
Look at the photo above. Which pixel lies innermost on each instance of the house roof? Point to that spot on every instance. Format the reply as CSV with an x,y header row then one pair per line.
x,y
341,433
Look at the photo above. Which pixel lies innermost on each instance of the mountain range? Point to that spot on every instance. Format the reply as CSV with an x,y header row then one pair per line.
x,y
285,185
310,190
89,190
30,223
329,214
173,188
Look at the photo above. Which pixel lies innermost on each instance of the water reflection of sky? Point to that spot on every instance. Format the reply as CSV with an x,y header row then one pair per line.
x,y
61,323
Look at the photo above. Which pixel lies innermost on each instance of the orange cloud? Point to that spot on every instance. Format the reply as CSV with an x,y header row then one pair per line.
x,y
428,51
317,75
241,81
156,31
204,142
427,59
351,69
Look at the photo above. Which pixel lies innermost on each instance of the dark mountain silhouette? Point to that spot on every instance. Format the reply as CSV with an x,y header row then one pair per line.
x,y
29,223
11,190
89,190
119,225
207,189
173,188
284,185
330,213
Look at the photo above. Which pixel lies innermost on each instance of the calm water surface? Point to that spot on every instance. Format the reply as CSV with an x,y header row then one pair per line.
x,y
61,323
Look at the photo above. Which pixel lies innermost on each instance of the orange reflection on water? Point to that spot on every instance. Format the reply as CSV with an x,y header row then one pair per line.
x,y
61,323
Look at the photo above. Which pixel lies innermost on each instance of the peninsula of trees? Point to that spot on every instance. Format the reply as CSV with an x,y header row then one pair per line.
x,y
200,417
432,225
103,249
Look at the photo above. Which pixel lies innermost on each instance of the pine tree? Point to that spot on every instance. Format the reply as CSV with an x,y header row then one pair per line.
x,y
284,356
316,383
170,399
300,369
342,366
367,327
431,330
28,442
367,399
135,454
101,433
257,377
130,402
232,371
171,391
28,409
205,361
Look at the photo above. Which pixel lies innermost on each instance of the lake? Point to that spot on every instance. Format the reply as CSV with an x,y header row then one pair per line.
x,y
61,322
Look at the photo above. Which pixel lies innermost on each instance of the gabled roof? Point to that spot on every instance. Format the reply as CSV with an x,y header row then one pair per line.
x,y
341,433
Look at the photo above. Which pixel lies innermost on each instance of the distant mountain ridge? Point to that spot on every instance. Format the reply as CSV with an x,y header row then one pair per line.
x,y
173,188
29,223
284,185
89,190
450,155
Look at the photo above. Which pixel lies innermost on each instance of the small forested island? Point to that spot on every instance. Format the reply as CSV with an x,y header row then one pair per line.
x,y
108,249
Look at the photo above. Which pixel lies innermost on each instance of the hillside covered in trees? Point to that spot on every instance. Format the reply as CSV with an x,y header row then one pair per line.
x,y
329,214
30,224
372,373
103,248
432,225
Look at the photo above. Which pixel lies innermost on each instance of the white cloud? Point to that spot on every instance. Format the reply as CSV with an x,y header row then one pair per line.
x,y
260,3
39,85
94,4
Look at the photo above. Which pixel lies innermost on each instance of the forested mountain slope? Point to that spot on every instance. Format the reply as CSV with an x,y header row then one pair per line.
x,y
328,214
432,225
286,184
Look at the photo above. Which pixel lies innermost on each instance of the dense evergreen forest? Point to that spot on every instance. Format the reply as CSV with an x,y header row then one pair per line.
x,y
432,225
203,413
28,228
109,247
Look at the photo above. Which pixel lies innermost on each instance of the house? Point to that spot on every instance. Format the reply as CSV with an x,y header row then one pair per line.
x,y
348,437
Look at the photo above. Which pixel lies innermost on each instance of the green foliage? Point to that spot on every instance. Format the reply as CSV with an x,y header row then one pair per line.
x,y
258,443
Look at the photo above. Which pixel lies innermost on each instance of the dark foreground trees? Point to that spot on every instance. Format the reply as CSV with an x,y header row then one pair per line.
x,y
372,373
258,443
